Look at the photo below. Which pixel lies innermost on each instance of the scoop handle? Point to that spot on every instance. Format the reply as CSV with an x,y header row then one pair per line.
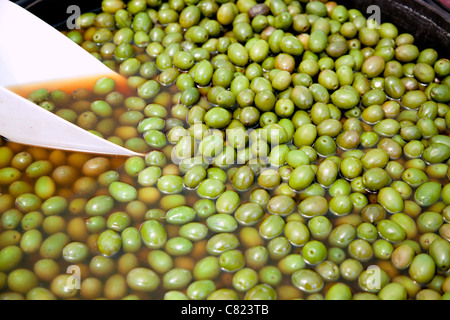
x,y
24,122
32,51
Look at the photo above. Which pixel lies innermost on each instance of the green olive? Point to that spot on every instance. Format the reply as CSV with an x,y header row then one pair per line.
x,y
428,193
313,206
153,234
301,177
143,279
122,192
10,258
422,268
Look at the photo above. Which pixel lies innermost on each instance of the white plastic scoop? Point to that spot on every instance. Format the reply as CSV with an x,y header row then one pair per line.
x,y
34,54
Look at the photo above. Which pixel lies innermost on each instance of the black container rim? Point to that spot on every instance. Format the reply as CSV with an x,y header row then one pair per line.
x,y
427,20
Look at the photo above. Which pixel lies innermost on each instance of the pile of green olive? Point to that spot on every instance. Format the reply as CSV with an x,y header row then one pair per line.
x,y
293,150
